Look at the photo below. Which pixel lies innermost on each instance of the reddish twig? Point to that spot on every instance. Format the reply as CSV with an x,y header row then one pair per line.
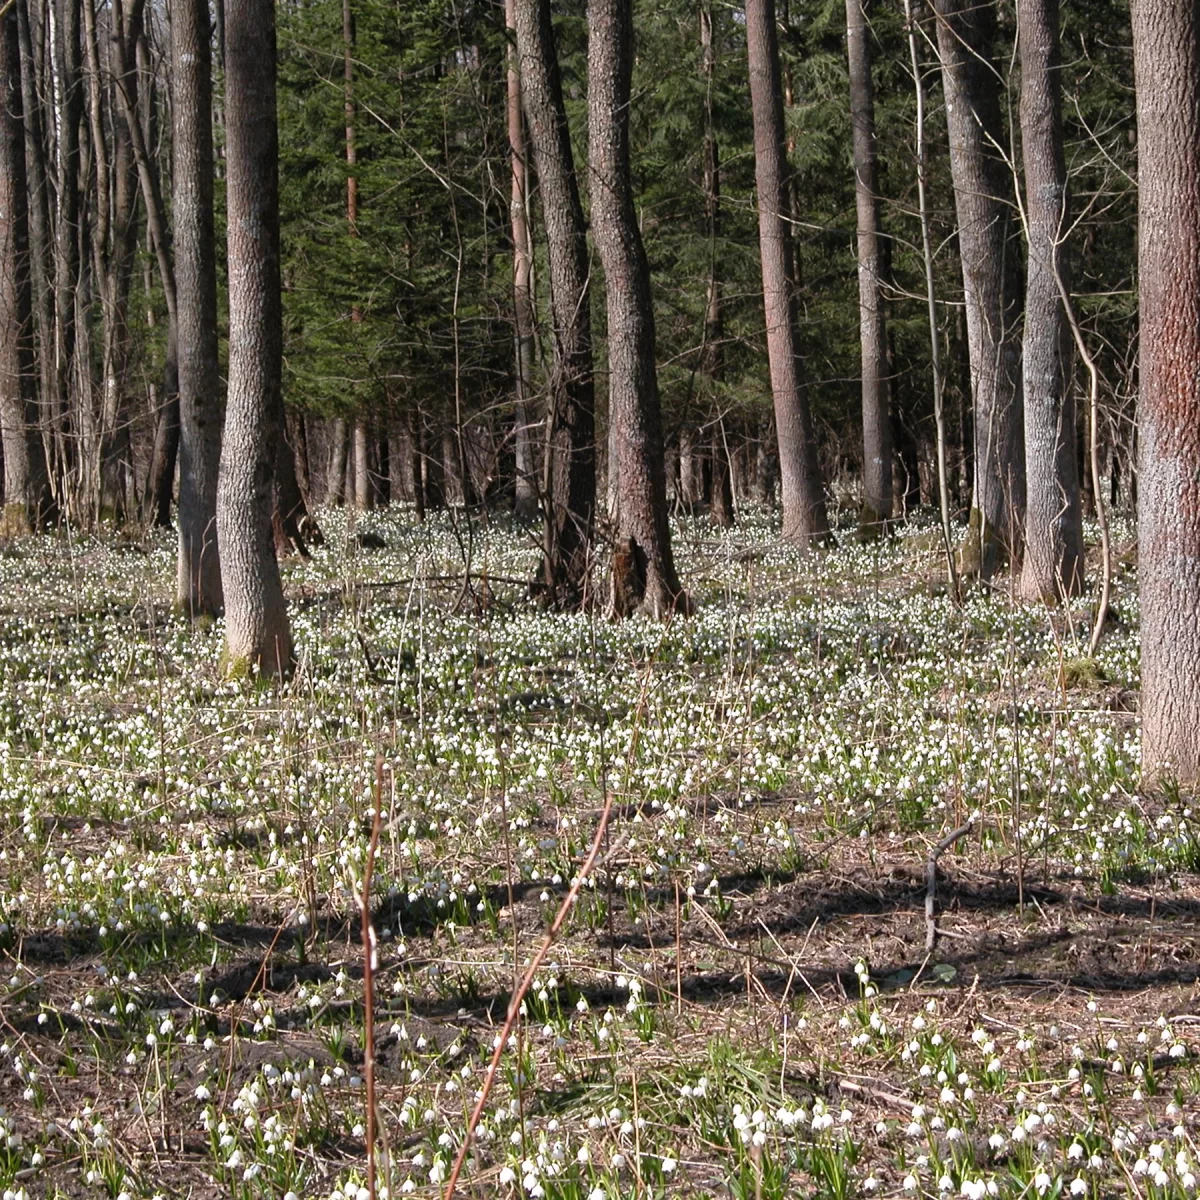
x,y
514,1005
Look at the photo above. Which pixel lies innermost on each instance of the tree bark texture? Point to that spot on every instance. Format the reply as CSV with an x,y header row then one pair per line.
x,y
115,244
67,216
335,476
804,518
877,435
1053,561
632,372
1166,47
363,498
525,499
983,199
198,574
26,483
40,230
569,462
256,620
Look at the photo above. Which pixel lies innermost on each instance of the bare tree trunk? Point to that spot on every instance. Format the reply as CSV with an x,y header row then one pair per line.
x,y
256,620
40,234
1166,50
67,216
125,43
362,466
804,518
416,463
27,502
713,357
632,372
381,475
291,523
569,455
877,433
336,475
115,243
1053,563
198,587
983,197
525,502
935,357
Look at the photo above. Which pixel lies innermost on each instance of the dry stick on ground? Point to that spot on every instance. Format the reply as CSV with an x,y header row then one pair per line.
x,y
931,929
514,1005
368,942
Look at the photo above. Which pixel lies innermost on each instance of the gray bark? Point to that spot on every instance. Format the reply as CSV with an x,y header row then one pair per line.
x,y
363,499
26,484
198,574
1166,46
877,434
1053,563
632,372
569,457
804,518
256,620
983,199
525,502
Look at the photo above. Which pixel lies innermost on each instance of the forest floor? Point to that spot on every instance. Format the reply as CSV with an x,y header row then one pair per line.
x,y
739,1004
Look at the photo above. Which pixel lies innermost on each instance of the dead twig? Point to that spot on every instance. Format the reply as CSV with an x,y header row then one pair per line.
x,y
931,929
514,1005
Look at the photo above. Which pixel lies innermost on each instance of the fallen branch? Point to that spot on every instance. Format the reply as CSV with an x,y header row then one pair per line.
x,y
931,929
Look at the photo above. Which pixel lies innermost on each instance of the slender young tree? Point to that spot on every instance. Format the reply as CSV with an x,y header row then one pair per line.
x,y
983,199
41,269
1166,55
68,124
633,403
1053,562
804,518
198,574
569,459
26,484
526,498
256,620
712,360
876,418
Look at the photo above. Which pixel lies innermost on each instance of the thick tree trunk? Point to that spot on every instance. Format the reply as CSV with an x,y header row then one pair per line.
x,y
26,483
632,372
877,438
1166,47
804,518
525,499
198,586
1053,562
256,619
569,453
983,197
